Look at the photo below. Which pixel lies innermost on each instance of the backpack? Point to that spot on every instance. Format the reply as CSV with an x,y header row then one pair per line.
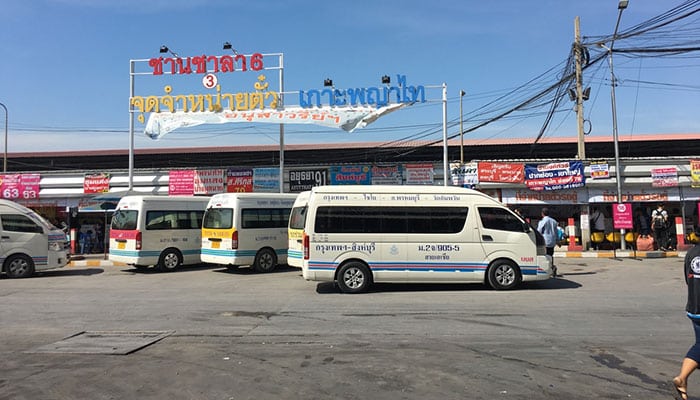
x,y
658,220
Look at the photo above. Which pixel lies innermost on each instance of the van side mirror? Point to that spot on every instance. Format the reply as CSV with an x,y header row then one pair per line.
x,y
526,227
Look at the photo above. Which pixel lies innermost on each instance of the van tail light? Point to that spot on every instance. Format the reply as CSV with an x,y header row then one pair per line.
x,y
234,240
305,241
138,240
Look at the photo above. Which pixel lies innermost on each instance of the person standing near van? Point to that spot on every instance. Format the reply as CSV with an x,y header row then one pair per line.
x,y
597,220
659,225
597,227
548,227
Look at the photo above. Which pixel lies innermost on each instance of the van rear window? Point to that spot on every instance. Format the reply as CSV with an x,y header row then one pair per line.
x,y
297,219
125,220
218,218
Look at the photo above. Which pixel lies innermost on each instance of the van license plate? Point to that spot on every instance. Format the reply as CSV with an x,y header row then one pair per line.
x,y
215,245
121,245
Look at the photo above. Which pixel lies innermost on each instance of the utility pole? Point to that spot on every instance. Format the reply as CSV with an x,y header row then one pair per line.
x,y
579,89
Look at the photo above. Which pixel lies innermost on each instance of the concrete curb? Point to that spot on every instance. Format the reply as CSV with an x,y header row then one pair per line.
x,y
618,254
94,263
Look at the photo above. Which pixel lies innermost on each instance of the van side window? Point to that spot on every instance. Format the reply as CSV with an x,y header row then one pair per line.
x,y
19,223
500,219
159,220
264,218
379,219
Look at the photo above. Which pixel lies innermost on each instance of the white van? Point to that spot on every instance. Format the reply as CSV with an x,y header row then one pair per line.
x,y
157,230
247,229
357,235
28,242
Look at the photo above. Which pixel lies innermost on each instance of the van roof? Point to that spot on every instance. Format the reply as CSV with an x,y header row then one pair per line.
x,y
15,206
423,189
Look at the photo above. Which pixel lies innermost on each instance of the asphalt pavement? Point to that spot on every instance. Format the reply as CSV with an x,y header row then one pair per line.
x,y
610,328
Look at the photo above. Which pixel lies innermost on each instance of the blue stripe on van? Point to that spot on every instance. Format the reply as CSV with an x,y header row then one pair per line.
x,y
424,267
148,253
238,253
295,254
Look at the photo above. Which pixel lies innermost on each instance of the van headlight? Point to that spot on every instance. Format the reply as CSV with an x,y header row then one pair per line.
x,y
55,246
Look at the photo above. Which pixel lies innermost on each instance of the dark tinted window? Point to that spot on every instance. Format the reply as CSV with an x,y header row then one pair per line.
x,y
500,219
264,218
173,219
390,219
19,223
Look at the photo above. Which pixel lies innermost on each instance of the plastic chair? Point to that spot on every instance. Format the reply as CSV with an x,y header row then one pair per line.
x,y
597,238
613,237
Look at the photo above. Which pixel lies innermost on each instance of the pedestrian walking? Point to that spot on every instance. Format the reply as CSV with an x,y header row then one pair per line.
x,y
691,361
548,227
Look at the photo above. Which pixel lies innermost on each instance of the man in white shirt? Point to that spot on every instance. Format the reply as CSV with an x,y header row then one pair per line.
x,y
548,227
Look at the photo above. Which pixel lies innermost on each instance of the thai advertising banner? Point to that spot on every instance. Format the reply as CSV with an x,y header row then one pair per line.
x,y
622,216
600,171
239,180
387,174
20,186
638,194
464,175
266,180
419,174
301,180
664,177
209,181
555,176
525,196
695,173
181,182
346,118
96,183
500,172
351,175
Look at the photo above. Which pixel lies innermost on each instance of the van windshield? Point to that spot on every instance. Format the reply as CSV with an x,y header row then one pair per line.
x,y
125,220
218,218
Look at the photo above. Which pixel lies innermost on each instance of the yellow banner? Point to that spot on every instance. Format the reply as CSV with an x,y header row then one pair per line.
x,y
695,173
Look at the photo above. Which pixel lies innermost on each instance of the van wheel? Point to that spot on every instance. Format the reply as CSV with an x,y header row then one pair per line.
x,y
503,275
265,261
354,277
169,260
19,266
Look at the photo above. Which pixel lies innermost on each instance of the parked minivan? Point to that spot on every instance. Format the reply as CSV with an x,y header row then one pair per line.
x,y
247,229
359,235
164,231
29,243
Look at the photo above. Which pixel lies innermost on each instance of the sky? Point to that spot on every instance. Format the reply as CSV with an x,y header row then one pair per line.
x,y
65,77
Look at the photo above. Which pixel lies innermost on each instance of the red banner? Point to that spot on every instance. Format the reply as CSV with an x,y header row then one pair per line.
x,y
181,182
19,186
96,183
239,180
501,172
